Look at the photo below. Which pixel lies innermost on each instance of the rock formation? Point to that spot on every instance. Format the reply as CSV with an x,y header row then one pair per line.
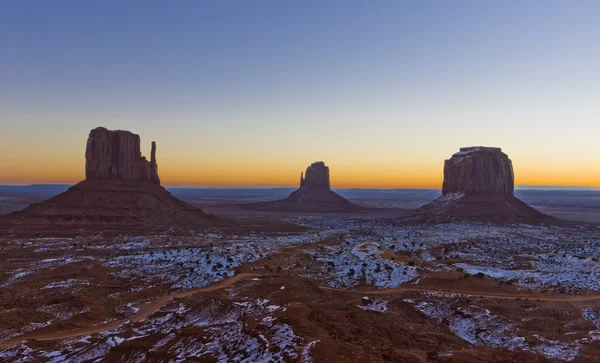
x,y
479,170
314,195
317,174
479,186
121,194
116,155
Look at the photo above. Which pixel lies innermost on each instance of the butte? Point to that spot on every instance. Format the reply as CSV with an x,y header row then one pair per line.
x,y
121,194
314,195
479,186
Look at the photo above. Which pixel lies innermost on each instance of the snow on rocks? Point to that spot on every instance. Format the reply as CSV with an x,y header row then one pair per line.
x,y
186,268
363,261
224,336
479,326
63,311
568,273
126,310
556,349
66,283
554,258
592,314
15,277
373,305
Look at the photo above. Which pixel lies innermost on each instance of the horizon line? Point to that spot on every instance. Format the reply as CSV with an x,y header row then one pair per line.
x,y
199,186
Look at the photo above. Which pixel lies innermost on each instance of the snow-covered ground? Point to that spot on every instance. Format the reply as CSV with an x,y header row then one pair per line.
x,y
479,326
373,305
186,268
553,258
354,261
371,252
225,336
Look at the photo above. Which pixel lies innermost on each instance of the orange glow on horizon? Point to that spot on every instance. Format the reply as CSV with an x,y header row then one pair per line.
x,y
181,165
342,176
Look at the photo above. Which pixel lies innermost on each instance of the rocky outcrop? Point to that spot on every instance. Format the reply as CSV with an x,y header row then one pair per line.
x,y
317,174
479,186
314,195
121,195
315,192
479,170
116,155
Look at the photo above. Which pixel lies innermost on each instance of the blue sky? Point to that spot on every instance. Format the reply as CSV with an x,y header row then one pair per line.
x,y
249,92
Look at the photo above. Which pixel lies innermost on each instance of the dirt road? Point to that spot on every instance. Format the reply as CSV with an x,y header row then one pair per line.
x,y
151,307
145,311
529,296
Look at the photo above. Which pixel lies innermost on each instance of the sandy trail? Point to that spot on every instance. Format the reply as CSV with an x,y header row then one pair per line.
x,y
151,307
399,290
145,311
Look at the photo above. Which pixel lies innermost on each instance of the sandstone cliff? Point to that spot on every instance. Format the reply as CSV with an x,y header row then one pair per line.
x,y
314,195
317,174
479,186
116,155
121,194
479,170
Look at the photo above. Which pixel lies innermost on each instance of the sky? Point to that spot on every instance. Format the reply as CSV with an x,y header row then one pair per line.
x,y
249,93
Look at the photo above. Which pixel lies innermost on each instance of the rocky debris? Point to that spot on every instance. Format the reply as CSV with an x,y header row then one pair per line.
x,y
121,194
116,155
479,186
479,170
317,174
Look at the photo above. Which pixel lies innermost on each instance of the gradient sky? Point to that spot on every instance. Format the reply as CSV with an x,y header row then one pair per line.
x,y
250,92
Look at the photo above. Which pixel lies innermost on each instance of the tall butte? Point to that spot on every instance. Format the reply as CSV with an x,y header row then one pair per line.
x,y
314,195
116,155
120,194
315,192
479,186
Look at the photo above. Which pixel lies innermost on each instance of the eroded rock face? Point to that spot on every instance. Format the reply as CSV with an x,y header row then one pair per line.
x,y
317,174
121,195
479,171
314,195
479,186
116,155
